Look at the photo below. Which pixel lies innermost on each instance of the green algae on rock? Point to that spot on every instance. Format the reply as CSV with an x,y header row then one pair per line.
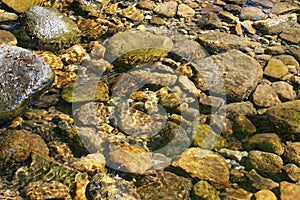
x,y
135,47
16,146
47,28
23,77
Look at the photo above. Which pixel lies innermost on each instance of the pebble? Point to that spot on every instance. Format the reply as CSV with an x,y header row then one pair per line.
x,y
8,38
133,14
293,171
291,35
259,182
265,96
265,194
284,90
167,9
185,11
276,69
203,190
292,152
252,13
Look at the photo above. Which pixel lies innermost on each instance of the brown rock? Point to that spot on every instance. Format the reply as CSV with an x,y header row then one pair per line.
x,y
243,125
7,37
259,182
252,13
185,11
269,142
284,90
288,60
276,69
284,7
157,20
133,14
23,5
129,158
265,96
167,9
265,194
289,191
292,152
146,4
291,35
264,163
205,165
232,193
293,171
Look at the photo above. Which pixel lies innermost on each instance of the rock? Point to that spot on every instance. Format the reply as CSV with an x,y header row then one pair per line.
x,y
129,158
185,11
163,185
73,55
286,116
247,24
91,164
136,47
107,187
23,77
292,171
8,16
22,6
245,108
284,7
157,21
268,142
292,152
231,154
294,50
16,146
210,20
291,35
146,4
259,182
167,9
46,28
63,180
265,194
284,90
243,125
218,42
229,69
90,28
276,25
264,3
240,193
133,14
209,7
268,164
288,60
252,13
206,138
289,190
276,69
265,96
205,165
203,190
8,38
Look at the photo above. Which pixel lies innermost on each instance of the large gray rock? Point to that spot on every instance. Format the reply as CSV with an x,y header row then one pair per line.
x,y
23,76
224,72
46,28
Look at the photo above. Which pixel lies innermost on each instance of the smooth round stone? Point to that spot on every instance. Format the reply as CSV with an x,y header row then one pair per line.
x,y
265,194
185,11
276,69
46,28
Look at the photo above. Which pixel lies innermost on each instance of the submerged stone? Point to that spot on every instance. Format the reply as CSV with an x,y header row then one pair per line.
x,y
23,77
46,28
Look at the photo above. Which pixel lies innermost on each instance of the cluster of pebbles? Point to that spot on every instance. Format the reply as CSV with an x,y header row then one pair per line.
x,y
177,99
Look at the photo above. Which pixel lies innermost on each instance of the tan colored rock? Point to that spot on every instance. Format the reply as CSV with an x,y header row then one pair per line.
x,y
276,69
265,96
146,4
23,5
292,152
185,11
203,190
284,90
92,164
133,14
205,165
291,35
243,125
293,171
167,9
265,194
289,191
269,142
8,38
129,159
259,182
252,13
240,193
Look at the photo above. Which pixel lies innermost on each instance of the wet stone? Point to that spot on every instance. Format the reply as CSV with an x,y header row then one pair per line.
x,y
265,96
289,190
107,187
16,146
243,125
218,42
40,33
163,185
292,152
7,37
245,108
229,69
285,116
205,165
252,13
293,171
276,69
259,182
8,16
204,190
268,164
21,5
233,193
133,14
167,9
23,77
265,194
91,164
284,90
268,142
291,35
